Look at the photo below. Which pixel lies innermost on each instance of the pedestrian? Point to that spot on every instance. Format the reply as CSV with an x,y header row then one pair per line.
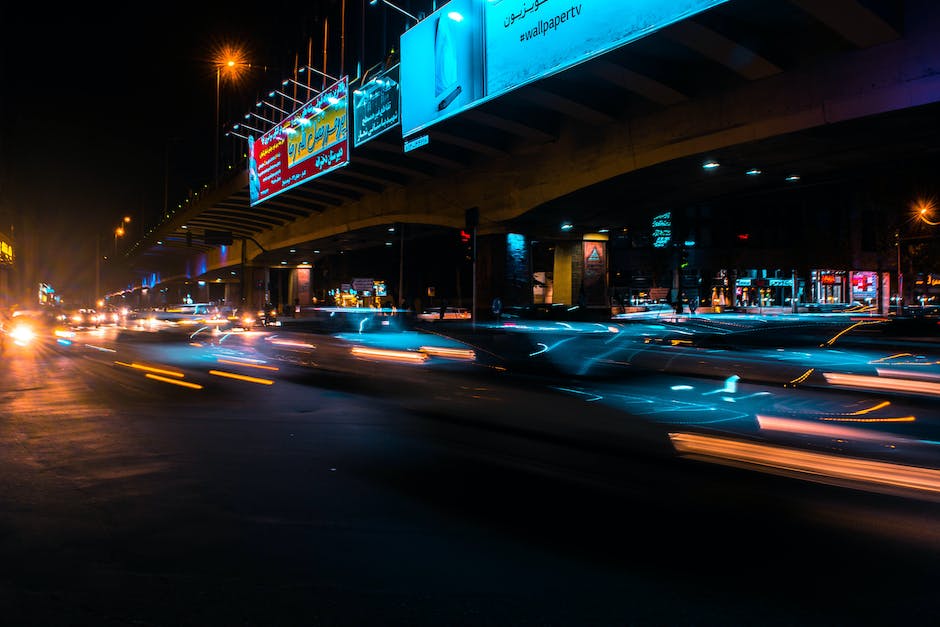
x,y
497,308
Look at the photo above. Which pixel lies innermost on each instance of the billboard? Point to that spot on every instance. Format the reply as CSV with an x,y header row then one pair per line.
x,y
375,106
311,141
469,51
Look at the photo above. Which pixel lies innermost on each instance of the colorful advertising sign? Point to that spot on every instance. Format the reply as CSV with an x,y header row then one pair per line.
x,y
864,285
375,106
311,142
443,70
594,278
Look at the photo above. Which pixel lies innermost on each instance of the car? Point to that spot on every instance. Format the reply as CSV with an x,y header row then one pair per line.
x,y
263,317
450,313
80,318
26,330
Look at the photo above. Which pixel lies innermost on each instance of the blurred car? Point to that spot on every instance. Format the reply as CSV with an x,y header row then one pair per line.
x,y
450,313
113,316
81,318
27,330
264,317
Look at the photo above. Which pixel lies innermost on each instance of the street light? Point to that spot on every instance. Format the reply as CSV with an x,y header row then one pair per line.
x,y
276,108
304,68
272,93
230,60
250,128
897,236
262,118
923,211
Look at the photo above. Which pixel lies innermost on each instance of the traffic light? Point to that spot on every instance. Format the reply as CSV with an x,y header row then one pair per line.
x,y
684,257
466,244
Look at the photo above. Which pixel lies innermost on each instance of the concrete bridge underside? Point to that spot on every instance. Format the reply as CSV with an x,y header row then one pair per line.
x,y
886,71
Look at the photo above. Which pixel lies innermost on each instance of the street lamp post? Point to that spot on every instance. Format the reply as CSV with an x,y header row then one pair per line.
x,y
900,276
215,145
230,60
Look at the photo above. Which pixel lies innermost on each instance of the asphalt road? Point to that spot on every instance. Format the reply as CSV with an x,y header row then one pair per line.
x,y
376,493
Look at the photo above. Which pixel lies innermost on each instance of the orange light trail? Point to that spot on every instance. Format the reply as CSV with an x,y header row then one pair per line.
x,y
389,355
241,377
809,427
136,366
452,353
835,337
185,384
807,464
291,343
882,383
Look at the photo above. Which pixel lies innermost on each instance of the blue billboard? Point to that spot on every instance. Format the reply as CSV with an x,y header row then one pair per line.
x,y
376,106
469,51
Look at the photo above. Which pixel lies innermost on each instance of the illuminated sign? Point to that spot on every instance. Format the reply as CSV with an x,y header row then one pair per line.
x,y
469,51
662,230
312,141
375,106
864,284
417,142
6,252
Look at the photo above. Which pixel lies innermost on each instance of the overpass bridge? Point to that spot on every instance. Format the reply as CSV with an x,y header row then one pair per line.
x,y
821,116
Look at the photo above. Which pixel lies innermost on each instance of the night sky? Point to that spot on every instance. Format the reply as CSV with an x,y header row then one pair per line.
x,y
108,112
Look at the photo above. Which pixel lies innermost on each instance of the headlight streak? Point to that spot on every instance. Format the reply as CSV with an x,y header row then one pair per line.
x,y
103,349
465,354
241,377
185,384
882,383
835,337
289,343
159,371
824,429
665,409
895,356
198,331
814,466
385,354
589,396
870,420
876,407
247,364
546,348
907,374
801,378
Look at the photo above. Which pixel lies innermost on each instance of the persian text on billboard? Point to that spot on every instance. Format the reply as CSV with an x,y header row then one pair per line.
x,y
312,141
375,106
443,71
